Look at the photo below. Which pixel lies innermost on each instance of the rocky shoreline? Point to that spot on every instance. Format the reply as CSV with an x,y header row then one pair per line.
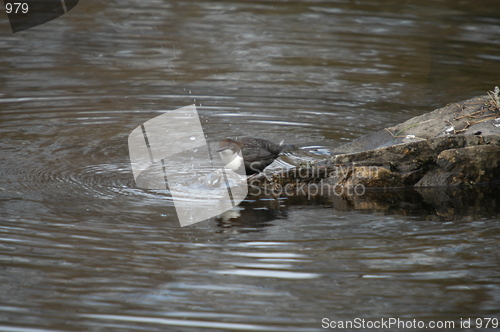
x,y
458,144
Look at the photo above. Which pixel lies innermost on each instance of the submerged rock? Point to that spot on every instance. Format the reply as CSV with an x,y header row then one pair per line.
x,y
455,145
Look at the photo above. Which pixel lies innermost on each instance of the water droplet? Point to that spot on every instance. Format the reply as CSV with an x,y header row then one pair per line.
x,y
192,138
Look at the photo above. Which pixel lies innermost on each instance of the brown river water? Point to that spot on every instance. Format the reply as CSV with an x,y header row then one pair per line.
x,y
83,249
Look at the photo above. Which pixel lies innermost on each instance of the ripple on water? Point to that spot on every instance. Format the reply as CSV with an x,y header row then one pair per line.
x,y
77,235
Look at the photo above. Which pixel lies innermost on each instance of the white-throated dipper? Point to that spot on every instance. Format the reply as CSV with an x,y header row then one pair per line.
x,y
256,153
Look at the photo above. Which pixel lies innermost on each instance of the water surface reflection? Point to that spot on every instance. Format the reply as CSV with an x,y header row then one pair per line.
x,y
81,248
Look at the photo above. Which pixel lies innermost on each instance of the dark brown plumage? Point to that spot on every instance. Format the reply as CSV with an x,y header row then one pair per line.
x,y
257,153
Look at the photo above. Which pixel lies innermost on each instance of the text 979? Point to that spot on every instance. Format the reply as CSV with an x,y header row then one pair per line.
x,y
16,7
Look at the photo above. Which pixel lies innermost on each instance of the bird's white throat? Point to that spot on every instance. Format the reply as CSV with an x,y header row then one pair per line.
x,y
233,161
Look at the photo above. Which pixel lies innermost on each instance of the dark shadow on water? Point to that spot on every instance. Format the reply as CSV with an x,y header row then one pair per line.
x,y
252,215
435,204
